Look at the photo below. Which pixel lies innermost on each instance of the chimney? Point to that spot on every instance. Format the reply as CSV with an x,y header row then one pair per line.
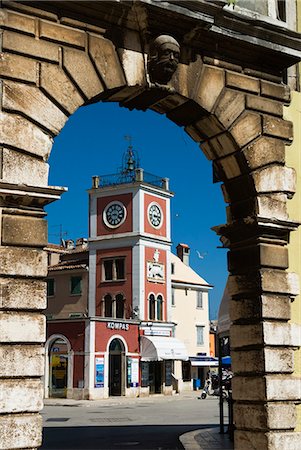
x,y
69,244
82,242
183,252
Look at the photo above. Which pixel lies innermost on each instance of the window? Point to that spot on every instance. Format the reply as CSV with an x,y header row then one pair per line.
x,y
199,302
113,269
155,307
172,268
50,287
152,307
186,370
76,285
113,306
200,335
108,304
119,306
159,307
173,299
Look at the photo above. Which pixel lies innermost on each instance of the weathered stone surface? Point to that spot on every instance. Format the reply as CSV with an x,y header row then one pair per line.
x,y
246,128
273,90
30,46
211,83
24,169
106,60
18,395
230,166
184,79
219,146
271,360
169,103
61,33
275,178
248,388
27,231
283,388
276,127
17,21
56,84
22,327
31,101
266,307
264,151
18,67
259,255
132,58
247,440
208,127
18,132
21,360
268,333
242,82
23,262
230,106
280,282
264,105
22,294
20,431
266,416
272,205
78,65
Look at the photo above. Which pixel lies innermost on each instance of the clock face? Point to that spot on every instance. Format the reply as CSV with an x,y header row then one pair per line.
x,y
155,215
114,214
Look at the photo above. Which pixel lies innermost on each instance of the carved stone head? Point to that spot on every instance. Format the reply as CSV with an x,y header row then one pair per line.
x,y
163,59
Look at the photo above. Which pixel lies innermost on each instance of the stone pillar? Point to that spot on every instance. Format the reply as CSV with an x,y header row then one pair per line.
x,y
261,337
23,267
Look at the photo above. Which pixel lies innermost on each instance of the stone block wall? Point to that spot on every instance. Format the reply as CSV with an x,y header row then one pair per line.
x,y
50,66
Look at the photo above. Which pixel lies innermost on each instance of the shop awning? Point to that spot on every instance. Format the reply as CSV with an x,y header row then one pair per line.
x,y
203,361
159,348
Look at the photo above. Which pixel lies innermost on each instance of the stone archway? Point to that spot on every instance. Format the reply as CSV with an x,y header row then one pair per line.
x,y
53,63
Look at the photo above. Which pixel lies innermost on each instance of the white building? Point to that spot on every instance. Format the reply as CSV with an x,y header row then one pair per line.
x,y
190,312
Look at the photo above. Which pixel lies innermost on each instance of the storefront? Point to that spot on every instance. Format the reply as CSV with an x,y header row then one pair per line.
x,y
159,356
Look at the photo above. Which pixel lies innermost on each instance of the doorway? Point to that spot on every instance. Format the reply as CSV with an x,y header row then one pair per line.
x,y
155,377
58,369
116,368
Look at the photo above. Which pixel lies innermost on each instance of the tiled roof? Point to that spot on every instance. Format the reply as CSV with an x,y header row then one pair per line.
x,y
68,265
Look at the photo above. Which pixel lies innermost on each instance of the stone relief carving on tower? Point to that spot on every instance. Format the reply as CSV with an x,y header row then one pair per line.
x,y
164,54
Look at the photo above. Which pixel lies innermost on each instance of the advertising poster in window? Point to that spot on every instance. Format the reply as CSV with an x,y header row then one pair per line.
x,y
144,374
99,372
133,372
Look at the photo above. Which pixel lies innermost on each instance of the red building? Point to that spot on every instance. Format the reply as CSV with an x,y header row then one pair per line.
x,y
111,333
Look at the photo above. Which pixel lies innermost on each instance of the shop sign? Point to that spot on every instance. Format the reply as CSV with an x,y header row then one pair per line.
x,y
118,326
150,332
99,372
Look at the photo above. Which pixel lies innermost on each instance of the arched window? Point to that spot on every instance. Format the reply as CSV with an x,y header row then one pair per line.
x,y
159,307
108,306
119,306
152,307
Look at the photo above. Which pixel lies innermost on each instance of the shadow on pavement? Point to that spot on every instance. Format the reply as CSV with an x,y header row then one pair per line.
x,y
142,437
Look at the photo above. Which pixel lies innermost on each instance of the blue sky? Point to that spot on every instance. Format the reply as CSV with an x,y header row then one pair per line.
x,y
92,143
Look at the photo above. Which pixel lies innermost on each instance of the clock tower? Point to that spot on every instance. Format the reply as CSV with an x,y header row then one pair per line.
x,y
129,225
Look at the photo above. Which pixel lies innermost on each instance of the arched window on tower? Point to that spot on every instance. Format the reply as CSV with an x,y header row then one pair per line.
x,y
152,307
159,307
108,306
119,306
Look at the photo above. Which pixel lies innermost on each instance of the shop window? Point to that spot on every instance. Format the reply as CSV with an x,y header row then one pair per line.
x,y
186,370
76,285
200,335
108,306
119,306
50,287
152,307
199,302
113,269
